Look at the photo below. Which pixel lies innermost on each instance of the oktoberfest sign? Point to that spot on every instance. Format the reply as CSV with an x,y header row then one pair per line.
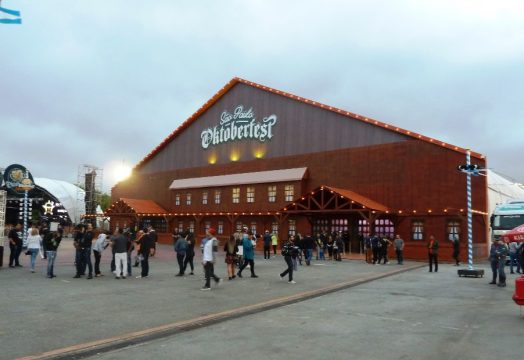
x,y
239,124
18,179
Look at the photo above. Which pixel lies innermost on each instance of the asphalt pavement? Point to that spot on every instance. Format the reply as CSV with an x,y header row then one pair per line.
x,y
346,309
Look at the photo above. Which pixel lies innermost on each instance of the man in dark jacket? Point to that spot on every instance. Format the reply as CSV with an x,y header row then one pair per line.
x,y
181,250
146,244
497,257
267,245
15,246
308,244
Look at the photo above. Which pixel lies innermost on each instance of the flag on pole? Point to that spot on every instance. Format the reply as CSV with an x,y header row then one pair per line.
x,y
16,19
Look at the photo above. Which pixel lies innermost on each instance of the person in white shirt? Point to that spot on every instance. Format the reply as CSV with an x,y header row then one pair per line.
x,y
208,259
100,244
34,243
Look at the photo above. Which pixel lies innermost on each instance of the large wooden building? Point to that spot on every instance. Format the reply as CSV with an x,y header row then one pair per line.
x,y
269,160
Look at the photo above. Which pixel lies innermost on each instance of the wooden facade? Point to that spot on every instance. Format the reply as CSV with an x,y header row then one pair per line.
x,y
411,175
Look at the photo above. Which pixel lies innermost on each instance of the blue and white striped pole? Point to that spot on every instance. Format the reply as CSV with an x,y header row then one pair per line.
x,y
470,214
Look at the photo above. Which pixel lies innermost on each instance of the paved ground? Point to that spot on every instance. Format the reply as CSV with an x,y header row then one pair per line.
x,y
411,315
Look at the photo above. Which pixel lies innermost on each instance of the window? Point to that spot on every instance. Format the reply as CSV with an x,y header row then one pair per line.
x,y
363,228
289,192
191,226
207,225
292,227
417,230
272,193
250,194
453,230
274,227
218,193
177,199
159,224
339,225
236,195
254,227
239,226
384,228
320,226
220,229
204,198
188,199
180,227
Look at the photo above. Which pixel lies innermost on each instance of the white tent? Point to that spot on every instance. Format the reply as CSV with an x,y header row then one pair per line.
x,y
70,196
501,189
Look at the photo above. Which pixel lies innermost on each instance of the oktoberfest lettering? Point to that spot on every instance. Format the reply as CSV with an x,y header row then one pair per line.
x,y
237,125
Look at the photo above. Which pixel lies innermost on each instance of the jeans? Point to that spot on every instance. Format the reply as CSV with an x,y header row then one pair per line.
x,y
502,274
129,264
514,257
98,255
79,262
289,269
14,254
309,255
274,249
180,260
51,256
267,252
433,259
189,260
251,263
400,256
86,261
34,253
209,269
121,264
145,264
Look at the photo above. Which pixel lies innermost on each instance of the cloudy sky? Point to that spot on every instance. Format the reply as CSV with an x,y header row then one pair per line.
x,y
103,82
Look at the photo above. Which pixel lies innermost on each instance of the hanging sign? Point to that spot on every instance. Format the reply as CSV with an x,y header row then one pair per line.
x,y
18,179
239,124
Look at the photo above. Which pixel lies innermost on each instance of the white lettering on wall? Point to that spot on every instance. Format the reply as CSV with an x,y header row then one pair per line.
x,y
237,125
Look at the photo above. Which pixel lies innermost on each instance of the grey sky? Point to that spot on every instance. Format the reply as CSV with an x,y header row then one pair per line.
x,y
99,82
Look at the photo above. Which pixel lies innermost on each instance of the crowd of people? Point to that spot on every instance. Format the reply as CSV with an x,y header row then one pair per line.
x,y
239,251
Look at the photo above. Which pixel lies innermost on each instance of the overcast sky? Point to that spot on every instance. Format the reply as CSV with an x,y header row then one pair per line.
x,y
100,82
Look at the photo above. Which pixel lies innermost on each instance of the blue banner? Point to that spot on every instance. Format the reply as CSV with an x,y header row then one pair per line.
x,y
10,12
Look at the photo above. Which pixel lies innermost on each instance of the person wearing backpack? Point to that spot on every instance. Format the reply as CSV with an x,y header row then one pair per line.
x,y
288,251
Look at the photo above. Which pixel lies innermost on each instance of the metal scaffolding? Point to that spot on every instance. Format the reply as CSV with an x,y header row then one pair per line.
x,y
90,179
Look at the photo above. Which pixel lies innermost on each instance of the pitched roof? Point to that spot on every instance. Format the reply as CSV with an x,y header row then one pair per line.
x,y
330,198
348,114
136,206
257,177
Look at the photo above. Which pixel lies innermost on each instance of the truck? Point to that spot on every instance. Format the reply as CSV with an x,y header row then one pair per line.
x,y
506,217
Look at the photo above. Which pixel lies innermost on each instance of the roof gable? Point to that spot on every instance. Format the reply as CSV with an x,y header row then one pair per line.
x,y
352,116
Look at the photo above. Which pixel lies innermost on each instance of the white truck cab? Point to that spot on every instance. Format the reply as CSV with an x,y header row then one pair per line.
x,y
506,217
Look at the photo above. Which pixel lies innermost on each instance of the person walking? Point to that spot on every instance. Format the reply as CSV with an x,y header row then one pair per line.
x,y
190,252
289,250
100,245
78,243
497,257
513,256
138,240
274,243
456,250
120,247
249,256
375,248
231,250
399,249
208,259
308,243
181,250
34,243
51,245
86,243
433,253
146,244
267,245
15,246
154,238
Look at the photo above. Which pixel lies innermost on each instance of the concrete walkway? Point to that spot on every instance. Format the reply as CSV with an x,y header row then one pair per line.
x,y
73,318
